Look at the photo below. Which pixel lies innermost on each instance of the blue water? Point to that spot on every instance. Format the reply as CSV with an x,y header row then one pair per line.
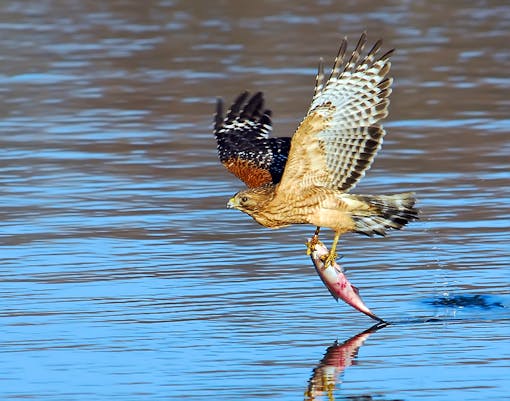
x,y
122,274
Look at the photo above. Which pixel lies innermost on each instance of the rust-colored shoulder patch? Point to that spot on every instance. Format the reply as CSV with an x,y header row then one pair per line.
x,y
244,145
248,172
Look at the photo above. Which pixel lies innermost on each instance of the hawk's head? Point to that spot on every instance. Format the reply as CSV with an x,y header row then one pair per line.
x,y
252,200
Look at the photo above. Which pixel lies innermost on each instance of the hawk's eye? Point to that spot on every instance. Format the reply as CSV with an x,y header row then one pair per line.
x,y
244,199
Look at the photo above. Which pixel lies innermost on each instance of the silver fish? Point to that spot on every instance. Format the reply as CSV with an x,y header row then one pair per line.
x,y
336,281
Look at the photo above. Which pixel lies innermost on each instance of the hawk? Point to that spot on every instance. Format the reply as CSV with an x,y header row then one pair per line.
x,y
306,179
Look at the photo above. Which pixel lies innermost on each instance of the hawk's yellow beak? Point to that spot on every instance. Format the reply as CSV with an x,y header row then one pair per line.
x,y
231,204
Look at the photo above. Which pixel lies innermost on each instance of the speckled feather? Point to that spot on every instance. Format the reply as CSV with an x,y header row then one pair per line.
x,y
243,142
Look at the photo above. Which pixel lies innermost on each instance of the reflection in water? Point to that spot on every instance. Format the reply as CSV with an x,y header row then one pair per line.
x,y
337,358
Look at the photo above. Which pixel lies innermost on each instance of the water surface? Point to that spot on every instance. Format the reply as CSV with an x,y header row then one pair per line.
x,y
123,275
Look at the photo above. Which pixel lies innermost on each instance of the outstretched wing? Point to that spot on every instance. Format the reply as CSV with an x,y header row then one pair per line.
x,y
244,146
339,137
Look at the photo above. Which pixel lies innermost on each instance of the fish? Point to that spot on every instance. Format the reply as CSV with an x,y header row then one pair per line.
x,y
336,281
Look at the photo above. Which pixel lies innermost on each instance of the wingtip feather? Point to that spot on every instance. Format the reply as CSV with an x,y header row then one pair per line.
x,y
218,116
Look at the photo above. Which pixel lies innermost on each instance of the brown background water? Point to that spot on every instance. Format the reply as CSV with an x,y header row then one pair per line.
x,y
122,274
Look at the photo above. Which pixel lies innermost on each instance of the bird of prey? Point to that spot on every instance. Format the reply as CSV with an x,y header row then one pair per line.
x,y
306,179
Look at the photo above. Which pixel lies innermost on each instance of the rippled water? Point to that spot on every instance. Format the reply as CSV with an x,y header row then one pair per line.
x,y
124,276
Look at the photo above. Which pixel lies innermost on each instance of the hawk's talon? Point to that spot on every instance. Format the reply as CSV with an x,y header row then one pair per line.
x,y
329,260
310,245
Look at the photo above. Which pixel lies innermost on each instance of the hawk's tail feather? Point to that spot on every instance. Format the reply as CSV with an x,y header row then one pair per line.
x,y
384,212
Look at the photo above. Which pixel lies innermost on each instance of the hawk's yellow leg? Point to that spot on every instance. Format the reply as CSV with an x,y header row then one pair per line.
x,y
332,253
310,245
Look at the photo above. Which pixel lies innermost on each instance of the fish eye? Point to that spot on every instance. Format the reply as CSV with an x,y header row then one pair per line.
x,y
244,199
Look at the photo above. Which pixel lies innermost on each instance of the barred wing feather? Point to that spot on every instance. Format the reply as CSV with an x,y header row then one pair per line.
x,y
340,135
243,142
